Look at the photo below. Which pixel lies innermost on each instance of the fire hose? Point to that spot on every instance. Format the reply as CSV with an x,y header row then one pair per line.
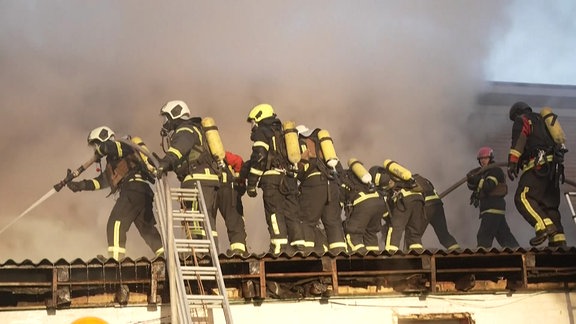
x,y
463,180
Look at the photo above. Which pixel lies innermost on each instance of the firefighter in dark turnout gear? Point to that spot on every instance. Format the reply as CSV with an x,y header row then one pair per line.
x,y
230,203
406,204
537,197
319,194
270,169
434,210
488,191
127,175
189,157
365,208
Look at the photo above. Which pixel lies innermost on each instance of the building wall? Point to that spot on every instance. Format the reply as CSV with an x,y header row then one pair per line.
x,y
537,307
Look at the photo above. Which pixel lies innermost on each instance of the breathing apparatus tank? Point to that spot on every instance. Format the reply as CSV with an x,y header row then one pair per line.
x,y
359,170
396,170
138,141
327,147
292,144
553,126
213,139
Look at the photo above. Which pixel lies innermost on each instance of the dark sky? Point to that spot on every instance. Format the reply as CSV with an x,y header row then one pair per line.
x,y
388,80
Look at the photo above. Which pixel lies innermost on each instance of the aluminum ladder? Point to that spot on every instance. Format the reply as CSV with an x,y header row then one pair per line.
x,y
192,263
568,196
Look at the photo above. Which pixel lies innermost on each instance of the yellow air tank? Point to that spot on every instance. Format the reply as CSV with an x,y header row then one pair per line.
x,y
213,139
553,126
359,170
292,144
397,170
143,155
327,147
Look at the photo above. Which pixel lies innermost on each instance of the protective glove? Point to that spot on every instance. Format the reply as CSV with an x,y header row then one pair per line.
x,y
251,191
371,187
240,188
512,170
474,200
559,156
76,186
473,178
162,169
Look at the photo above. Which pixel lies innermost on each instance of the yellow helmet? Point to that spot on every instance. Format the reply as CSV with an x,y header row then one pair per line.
x,y
260,112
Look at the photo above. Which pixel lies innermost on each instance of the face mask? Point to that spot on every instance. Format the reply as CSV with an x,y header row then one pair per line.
x,y
166,126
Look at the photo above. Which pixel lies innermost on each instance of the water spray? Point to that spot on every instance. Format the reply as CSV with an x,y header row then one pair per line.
x,y
57,187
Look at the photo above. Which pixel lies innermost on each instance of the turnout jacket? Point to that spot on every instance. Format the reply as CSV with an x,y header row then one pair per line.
x,y
268,155
122,165
490,188
189,155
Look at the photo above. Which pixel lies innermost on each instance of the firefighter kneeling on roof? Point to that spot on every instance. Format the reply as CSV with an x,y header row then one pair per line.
x,y
364,207
126,174
407,205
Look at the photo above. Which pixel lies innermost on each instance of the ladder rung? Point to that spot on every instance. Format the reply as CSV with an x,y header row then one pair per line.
x,y
184,190
186,216
192,246
187,251
192,243
198,277
205,299
191,194
199,270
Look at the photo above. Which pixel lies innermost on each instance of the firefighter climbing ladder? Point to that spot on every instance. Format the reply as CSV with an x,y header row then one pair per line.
x,y
188,268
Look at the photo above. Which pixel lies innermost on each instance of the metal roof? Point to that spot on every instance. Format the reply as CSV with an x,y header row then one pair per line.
x,y
258,277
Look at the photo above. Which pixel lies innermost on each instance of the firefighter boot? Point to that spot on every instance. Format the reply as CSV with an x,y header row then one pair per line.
x,y
542,235
558,240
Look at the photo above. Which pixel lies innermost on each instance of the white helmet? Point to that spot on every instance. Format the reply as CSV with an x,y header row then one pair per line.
x,y
176,109
304,131
102,134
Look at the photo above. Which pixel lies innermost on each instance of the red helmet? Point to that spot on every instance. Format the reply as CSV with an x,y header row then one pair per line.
x,y
485,152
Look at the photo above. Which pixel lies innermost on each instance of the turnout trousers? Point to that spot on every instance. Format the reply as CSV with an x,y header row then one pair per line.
x,y
280,197
230,206
537,199
134,205
319,201
407,218
437,217
493,225
363,223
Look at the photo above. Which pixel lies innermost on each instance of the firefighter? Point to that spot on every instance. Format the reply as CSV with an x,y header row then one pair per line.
x,y
125,174
230,203
270,169
434,211
364,208
537,197
319,197
406,203
188,155
488,191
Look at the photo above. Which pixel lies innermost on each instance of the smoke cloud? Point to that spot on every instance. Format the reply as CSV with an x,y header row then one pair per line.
x,y
386,79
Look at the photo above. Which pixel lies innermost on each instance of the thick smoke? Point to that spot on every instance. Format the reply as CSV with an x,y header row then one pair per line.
x,y
387,79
